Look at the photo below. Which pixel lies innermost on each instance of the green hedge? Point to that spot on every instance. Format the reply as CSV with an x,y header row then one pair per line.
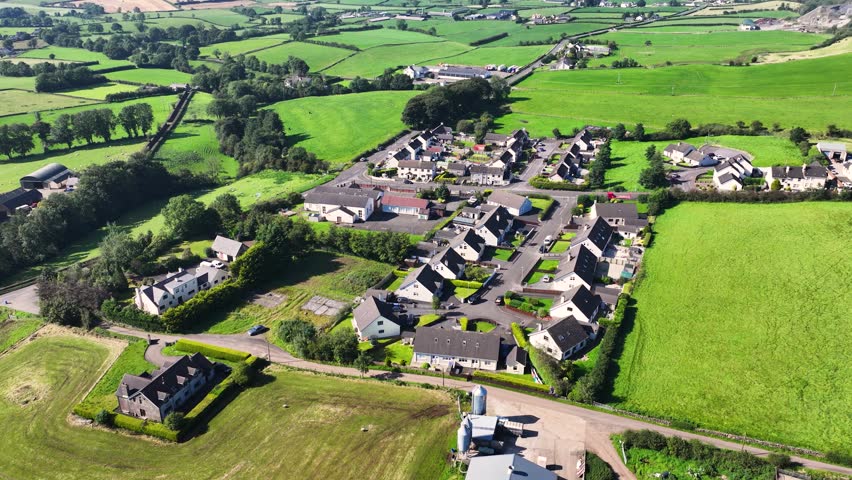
x,y
545,184
521,382
520,335
466,284
213,351
130,315
154,429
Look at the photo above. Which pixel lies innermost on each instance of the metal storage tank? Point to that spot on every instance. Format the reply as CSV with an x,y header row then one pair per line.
x,y
464,435
479,394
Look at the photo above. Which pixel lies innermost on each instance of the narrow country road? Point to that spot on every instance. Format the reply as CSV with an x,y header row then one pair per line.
x,y
598,425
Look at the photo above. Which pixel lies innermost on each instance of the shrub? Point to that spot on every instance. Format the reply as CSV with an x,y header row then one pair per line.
x,y
212,351
779,460
425,366
546,366
175,421
130,315
520,335
466,284
683,424
103,417
647,439
597,469
243,375
839,458
153,429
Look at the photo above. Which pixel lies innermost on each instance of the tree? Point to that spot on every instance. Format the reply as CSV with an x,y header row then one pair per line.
x,y
757,127
103,418
104,123
128,121
118,248
21,138
175,421
185,217
679,128
557,134
798,135
95,28
144,116
436,303
638,133
116,27
362,363
654,176
62,130
84,124
227,206
42,131
650,152
619,131
402,25
641,3
597,175
804,147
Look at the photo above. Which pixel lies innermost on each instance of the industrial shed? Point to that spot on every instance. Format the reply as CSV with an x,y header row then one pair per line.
x,y
51,175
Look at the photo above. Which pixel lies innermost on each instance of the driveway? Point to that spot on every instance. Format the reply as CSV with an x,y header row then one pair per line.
x,y
24,299
571,424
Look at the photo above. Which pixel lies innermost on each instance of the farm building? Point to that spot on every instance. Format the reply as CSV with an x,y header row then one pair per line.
x,y
506,467
153,396
50,176
375,319
835,152
564,338
451,348
418,207
17,200
226,249
514,204
463,72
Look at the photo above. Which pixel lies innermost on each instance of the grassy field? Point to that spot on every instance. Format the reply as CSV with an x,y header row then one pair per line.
x,y
319,436
75,55
339,127
132,361
13,331
758,352
373,62
318,57
20,101
335,277
101,91
241,46
716,47
702,93
498,55
374,38
155,76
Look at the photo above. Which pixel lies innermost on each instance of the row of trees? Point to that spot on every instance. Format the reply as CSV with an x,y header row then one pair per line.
x,y
654,176
455,102
18,138
22,69
603,160
66,76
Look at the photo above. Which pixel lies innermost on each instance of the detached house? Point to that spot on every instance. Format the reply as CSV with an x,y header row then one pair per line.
x,y
449,348
168,389
808,177
729,174
421,285
449,264
595,238
416,72
579,302
583,140
623,216
417,170
469,246
418,207
678,151
578,269
514,204
226,249
563,338
375,319
177,288
343,204
495,226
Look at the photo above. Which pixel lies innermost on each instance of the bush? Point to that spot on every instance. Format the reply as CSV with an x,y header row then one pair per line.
x,y
546,366
175,421
839,458
779,460
492,38
545,184
683,425
139,425
589,388
130,315
597,469
425,366
520,335
212,351
206,301
243,375
466,284
103,417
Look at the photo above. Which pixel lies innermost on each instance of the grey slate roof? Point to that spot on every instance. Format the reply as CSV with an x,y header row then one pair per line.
x,y
424,164
456,343
497,467
491,137
723,179
567,333
599,234
483,169
583,264
19,197
163,383
814,170
681,147
456,167
370,310
497,221
469,237
227,246
343,197
507,199
583,299
616,210
452,260
426,276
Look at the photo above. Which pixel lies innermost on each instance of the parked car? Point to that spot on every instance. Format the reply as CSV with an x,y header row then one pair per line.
x,y
398,307
548,239
217,264
257,330
499,300
546,279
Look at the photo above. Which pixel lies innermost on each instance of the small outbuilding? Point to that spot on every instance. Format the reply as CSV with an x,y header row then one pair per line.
x,y
50,176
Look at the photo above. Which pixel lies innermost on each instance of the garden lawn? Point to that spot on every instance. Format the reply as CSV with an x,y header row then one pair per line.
x,y
702,94
155,76
410,429
501,253
763,348
715,47
483,327
560,246
318,57
389,348
21,101
132,361
339,127
336,277
373,62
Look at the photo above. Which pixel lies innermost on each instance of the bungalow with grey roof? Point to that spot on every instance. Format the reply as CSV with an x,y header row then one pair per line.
x,y
623,216
165,390
678,151
578,302
375,319
458,169
226,249
445,347
729,174
563,338
514,204
343,204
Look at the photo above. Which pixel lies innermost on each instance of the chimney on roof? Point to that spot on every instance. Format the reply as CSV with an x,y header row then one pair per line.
x,y
539,327
787,170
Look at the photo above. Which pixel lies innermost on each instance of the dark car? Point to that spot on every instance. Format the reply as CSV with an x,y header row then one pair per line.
x,y
498,300
257,330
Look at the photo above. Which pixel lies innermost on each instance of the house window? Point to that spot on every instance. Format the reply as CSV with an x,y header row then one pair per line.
x,y
381,331
549,350
141,412
381,322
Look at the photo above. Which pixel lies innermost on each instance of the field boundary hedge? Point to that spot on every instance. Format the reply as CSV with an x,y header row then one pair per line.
x,y
492,38
213,351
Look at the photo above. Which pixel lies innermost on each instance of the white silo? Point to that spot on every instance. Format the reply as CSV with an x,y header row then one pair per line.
x,y
464,435
479,394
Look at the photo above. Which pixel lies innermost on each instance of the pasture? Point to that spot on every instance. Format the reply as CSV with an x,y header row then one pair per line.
x,y
317,57
237,47
99,92
339,127
373,62
154,76
653,48
21,101
75,55
498,56
700,93
319,436
336,277
375,38
760,351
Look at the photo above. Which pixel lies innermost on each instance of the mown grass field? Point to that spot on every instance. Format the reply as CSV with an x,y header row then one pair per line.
x,y
155,76
331,276
13,331
101,91
716,47
318,57
75,55
373,62
374,38
762,348
628,158
241,46
498,56
319,436
20,101
338,128
702,94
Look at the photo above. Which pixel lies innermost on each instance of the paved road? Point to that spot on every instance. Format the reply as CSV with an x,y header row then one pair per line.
x,y
598,425
24,299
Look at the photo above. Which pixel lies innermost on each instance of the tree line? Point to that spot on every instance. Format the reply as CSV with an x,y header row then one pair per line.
x,y
18,138
18,17
9,68
66,76
454,102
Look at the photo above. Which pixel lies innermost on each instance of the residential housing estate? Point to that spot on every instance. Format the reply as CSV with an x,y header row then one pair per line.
x,y
564,338
375,319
